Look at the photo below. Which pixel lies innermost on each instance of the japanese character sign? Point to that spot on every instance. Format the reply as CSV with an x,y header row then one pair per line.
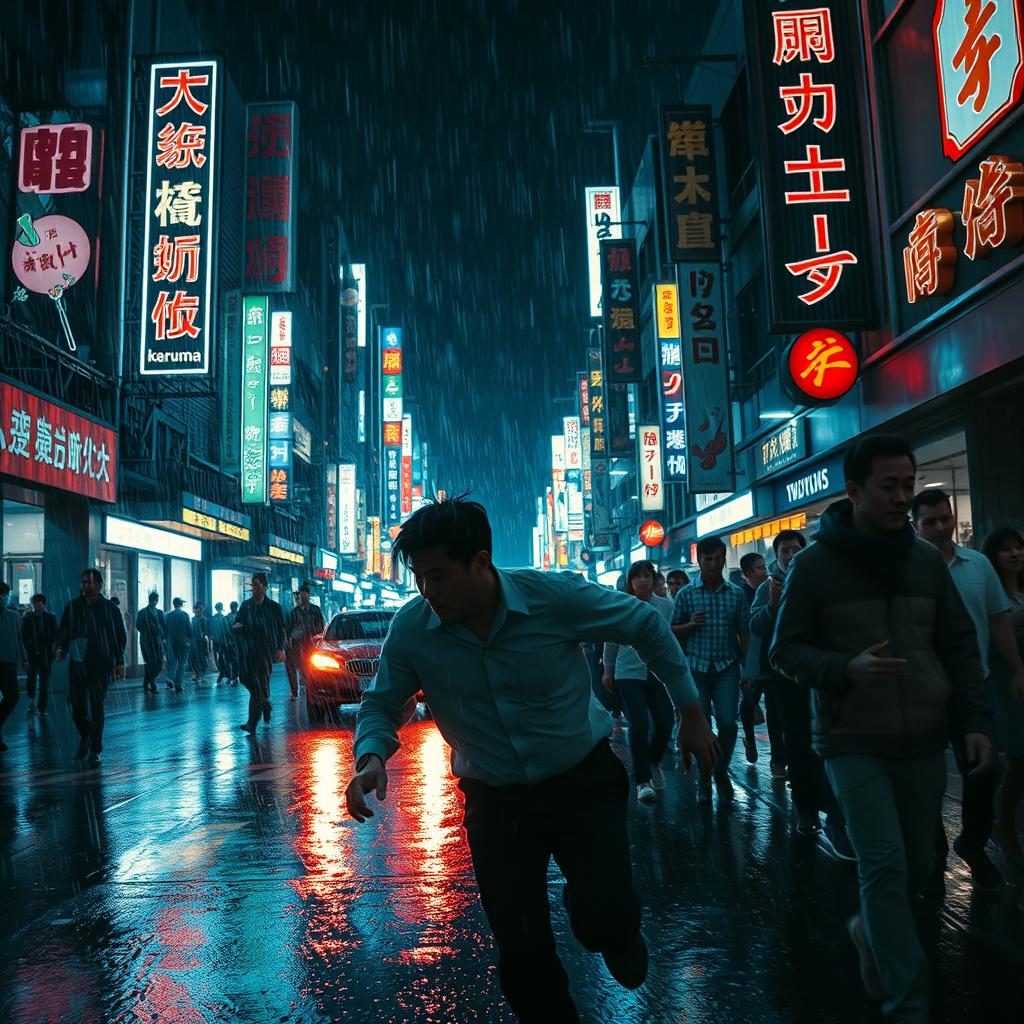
x,y
55,158
670,368
929,260
699,425
270,171
993,211
255,399
181,178
50,254
820,367
652,533
621,308
392,420
44,443
691,193
602,222
818,219
979,62
652,488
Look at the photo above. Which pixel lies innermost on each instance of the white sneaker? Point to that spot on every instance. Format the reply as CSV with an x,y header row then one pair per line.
x,y
645,793
657,777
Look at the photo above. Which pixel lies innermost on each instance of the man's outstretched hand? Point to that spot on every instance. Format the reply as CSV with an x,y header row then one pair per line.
x,y
372,779
696,740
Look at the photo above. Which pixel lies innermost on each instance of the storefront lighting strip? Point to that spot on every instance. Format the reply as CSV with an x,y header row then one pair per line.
x,y
795,522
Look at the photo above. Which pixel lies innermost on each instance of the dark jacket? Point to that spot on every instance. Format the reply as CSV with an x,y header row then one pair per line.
x,y
303,624
262,634
39,635
101,626
150,625
219,627
178,628
850,591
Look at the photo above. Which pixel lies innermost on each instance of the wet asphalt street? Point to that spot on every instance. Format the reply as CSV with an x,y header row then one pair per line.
x,y
202,876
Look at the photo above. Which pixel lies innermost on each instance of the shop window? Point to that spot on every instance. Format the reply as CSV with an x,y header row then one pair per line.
x,y
22,535
181,582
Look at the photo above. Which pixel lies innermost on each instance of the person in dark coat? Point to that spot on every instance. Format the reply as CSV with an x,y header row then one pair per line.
x,y
200,658
39,635
92,634
152,632
219,637
305,621
261,636
179,644
231,643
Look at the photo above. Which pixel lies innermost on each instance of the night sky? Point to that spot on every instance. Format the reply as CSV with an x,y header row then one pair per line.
x,y
452,135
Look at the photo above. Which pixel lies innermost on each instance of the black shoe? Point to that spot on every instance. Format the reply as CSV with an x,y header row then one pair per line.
x,y
838,842
628,965
83,750
178,689
984,873
170,686
267,708
935,887
246,727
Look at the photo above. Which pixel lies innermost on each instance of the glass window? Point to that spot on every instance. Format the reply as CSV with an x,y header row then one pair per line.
x,y
942,466
151,580
23,529
359,627
181,581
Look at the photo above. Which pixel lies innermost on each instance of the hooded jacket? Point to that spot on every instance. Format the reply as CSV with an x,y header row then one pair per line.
x,y
851,590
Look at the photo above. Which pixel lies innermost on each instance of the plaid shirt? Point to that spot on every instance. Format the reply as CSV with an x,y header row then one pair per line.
x,y
715,644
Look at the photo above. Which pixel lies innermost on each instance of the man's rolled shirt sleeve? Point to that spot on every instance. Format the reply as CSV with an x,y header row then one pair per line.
x,y
602,615
380,711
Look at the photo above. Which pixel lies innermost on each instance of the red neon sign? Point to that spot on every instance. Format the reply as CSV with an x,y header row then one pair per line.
x,y
821,367
652,533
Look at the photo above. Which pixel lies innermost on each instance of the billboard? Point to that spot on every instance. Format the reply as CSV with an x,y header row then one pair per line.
x,y
652,490
281,442
602,222
270,168
391,420
347,509
181,202
254,400
670,378
621,305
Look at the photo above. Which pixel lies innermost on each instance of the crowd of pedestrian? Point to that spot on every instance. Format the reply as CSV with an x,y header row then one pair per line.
x,y
91,636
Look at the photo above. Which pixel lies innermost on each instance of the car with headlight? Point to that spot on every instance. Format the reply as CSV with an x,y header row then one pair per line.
x,y
343,662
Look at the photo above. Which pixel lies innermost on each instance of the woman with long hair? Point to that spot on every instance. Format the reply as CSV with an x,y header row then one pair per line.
x,y
1004,548
646,701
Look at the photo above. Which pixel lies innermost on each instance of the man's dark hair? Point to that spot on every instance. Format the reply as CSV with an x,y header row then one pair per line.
x,y
458,526
303,589
788,535
41,598
115,601
5,588
234,606
198,605
659,577
998,539
219,606
676,572
860,456
153,595
178,602
710,546
262,577
928,499
748,560
94,574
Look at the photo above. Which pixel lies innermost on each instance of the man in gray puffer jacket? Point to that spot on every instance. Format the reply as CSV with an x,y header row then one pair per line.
x,y
872,623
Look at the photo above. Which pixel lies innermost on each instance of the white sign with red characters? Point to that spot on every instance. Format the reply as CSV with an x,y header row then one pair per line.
x,y
979,61
177,255
55,158
652,490
602,222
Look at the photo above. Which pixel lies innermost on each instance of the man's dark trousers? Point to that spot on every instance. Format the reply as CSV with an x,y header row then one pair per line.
x,y
38,668
87,690
151,671
255,677
579,818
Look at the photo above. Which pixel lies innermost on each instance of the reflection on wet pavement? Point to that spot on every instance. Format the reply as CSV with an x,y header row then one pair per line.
x,y
202,876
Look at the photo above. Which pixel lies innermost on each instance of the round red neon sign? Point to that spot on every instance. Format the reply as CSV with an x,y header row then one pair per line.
x,y
821,366
652,533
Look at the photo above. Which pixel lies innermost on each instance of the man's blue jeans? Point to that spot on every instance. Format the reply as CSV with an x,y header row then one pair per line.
x,y
176,667
720,688
891,805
